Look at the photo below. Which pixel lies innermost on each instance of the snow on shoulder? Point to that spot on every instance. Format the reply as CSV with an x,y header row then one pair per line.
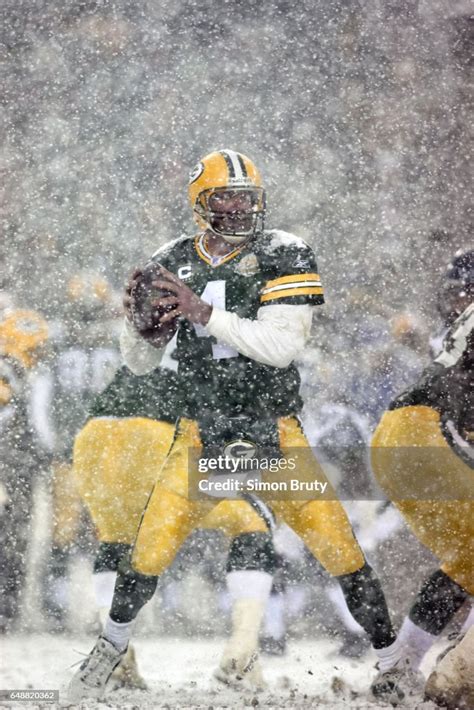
x,y
165,248
279,238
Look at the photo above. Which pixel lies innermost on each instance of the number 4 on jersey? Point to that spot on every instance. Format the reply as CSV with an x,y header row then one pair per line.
x,y
214,295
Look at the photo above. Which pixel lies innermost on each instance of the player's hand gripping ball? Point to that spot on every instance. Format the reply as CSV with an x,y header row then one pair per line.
x,y
142,307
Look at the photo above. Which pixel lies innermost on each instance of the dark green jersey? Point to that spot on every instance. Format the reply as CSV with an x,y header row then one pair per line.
x,y
448,384
157,395
275,268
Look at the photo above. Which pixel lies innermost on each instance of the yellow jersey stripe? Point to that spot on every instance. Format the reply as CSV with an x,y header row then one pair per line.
x,y
291,278
199,250
302,291
230,256
301,284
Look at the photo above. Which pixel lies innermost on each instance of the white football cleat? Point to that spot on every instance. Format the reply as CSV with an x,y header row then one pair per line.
x,y
94,672
451,684
400,685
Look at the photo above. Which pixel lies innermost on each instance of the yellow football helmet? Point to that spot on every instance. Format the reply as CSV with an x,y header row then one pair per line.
x,y
226,195
88,287
6,391
22,335
89,297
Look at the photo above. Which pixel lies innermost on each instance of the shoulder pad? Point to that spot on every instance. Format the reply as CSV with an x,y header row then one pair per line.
x,y
279,239
166,248
291,270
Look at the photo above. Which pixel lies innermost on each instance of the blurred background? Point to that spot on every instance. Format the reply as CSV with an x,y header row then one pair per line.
x,y
359,115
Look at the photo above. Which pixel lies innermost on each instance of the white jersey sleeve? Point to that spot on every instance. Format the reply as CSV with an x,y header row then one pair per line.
x,y
40,408
275,338
139,356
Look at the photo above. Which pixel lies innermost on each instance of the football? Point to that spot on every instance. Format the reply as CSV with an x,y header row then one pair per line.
x,y
145,315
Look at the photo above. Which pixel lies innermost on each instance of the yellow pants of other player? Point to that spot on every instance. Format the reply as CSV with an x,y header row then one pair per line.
x,y
430,485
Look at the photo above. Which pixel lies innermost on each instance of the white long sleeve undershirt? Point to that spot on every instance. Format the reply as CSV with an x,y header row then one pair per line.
x,y
275,338
139,356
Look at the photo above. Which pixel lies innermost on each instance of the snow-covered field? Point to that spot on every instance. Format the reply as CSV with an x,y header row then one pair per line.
x,y
179,674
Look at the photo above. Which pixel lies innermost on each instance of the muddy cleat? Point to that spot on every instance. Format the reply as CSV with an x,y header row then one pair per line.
x,y
126,674
451,684
399,685
237,674
239,665
94,672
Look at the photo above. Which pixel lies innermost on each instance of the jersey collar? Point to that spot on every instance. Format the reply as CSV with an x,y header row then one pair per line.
x,y
200,246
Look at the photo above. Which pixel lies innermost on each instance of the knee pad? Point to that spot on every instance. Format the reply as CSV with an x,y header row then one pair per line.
x,y
109,556
252,551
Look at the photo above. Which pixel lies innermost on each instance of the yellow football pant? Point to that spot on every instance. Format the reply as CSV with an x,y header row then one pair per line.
x,y
66,505
409,452
169,516
116,464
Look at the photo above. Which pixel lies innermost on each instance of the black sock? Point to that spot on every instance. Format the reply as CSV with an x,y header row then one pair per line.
x,y
366,602
438,600
132,591
252,551
109,555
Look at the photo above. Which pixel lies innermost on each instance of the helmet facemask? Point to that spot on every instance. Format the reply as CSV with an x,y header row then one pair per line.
x,y
234,213
457,290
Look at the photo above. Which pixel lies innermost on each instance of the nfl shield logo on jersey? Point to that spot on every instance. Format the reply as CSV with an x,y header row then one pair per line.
x,y
248,265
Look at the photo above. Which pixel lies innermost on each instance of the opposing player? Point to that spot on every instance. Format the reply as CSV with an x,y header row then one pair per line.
x,y
236,345
454,294
423,459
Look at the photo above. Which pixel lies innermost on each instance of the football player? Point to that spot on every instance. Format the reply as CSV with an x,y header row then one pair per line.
x,y
23,342
85,359
454,294
236,344
423,458
116,456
